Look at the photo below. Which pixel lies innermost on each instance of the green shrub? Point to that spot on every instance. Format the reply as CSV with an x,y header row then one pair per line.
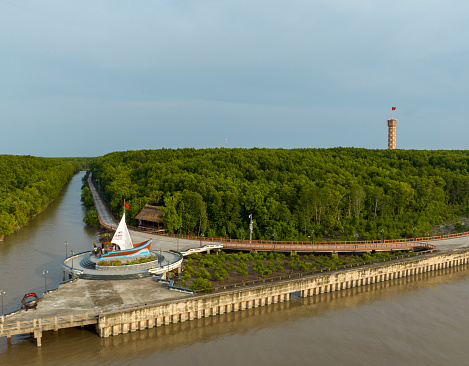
x,y
185,276
201,284
205,274
91,218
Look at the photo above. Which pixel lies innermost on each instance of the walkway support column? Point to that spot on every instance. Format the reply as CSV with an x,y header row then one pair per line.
x,y
38,336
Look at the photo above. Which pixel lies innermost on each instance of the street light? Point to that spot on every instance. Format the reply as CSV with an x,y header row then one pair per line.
x,y
2,292
382,236
313,236
180,226
66,252
45,272
414,232
274,235
250,227
201,236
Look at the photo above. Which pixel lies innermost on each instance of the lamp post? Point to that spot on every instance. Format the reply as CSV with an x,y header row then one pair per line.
x,y
414,232
382,236
66,252
274,235
2,292
313,236
45,272
356,239
180,226
201,236
250,227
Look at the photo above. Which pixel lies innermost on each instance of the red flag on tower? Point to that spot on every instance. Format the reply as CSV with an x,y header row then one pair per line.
x,y
393,108
126,205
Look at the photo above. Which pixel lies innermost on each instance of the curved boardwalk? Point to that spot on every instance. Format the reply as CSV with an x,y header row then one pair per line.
x,y
160,242
185,243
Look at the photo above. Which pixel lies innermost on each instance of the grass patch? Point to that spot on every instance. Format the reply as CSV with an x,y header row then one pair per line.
x,y
119,263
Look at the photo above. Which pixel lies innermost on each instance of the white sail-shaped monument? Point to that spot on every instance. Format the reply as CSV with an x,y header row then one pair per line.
x,y
121,236
126,248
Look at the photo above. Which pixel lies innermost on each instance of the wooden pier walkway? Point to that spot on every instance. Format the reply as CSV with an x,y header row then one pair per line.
x,y
37,326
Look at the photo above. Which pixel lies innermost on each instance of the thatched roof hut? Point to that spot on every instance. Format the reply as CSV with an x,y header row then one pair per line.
x,y
150,218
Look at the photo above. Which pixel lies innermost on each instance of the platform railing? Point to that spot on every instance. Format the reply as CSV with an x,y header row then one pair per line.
x,y
57,322
291,275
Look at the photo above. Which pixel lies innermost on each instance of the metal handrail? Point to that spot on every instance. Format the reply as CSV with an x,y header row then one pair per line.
x,y
38,322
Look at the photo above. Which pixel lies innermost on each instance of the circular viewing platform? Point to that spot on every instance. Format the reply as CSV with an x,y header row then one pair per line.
x,y
85,266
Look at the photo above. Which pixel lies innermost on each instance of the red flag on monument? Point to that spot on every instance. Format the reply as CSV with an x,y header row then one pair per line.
x,y
393,108
126,205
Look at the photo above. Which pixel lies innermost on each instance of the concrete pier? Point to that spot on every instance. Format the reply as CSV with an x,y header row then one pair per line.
x,y
138,313
203,306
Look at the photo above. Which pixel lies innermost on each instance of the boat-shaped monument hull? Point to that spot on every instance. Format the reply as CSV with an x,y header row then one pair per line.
x,y
139,250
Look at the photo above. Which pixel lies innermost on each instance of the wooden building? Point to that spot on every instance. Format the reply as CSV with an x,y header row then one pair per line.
x,y
150,218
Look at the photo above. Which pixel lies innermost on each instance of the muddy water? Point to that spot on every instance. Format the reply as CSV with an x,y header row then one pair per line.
x,y
421,320
39,246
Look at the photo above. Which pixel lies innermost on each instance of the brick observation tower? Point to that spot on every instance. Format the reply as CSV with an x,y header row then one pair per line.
x,y
392,133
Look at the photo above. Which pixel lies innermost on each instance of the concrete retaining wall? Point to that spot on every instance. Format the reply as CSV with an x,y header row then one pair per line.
x,y
202,306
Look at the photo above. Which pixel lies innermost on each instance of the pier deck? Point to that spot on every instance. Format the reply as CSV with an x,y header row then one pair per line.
x,y
78,303
84,302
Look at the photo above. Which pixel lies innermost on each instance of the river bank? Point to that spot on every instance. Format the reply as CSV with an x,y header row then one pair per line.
x,y
2,237
18,228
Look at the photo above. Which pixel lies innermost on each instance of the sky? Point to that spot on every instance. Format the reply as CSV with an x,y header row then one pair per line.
x,y
85,78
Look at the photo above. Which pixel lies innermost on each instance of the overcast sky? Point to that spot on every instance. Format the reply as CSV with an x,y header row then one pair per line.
x,y
84,78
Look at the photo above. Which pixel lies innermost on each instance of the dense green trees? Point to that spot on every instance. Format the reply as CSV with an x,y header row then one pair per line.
x,y
27,185
91,217
335,192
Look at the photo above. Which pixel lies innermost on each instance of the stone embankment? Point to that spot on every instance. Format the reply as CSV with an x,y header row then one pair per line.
x,y
201,306
175,308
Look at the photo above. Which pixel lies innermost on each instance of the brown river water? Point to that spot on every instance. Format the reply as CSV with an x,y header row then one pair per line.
x,y
419,320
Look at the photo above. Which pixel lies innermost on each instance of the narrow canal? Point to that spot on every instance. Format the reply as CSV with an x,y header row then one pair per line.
x,y
39,246
420,320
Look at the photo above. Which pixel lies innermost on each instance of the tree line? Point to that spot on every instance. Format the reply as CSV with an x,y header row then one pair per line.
x,y
28,184
338,193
